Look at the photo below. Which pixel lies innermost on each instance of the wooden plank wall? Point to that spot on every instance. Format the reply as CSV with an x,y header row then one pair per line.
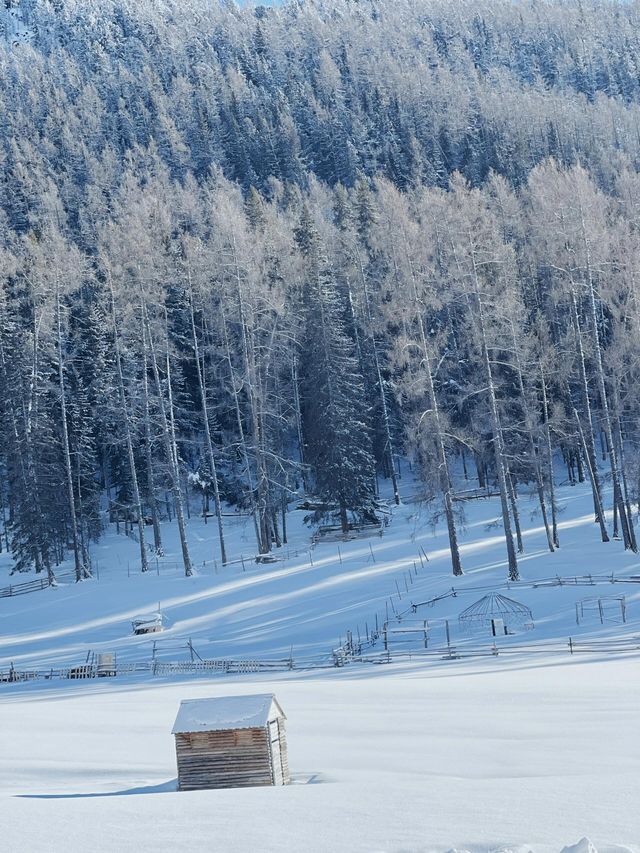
x,y
229,759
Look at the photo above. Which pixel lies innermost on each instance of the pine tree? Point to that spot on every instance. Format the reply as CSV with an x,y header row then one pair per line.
x,y
337,436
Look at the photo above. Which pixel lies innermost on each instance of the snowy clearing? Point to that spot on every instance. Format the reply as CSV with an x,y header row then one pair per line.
x,y
530,751
476,757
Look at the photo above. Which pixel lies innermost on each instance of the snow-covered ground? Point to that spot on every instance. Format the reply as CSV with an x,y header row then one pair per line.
x,y
477,756
530,751
303,605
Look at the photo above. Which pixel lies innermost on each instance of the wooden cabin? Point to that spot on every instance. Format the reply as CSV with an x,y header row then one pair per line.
x,y
231,742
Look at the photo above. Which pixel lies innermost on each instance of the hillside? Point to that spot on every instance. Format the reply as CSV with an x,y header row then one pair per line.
x,y
304,604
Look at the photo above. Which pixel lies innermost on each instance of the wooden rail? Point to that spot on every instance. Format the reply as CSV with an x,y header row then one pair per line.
x,y
32,586
354,654
161,668
340,657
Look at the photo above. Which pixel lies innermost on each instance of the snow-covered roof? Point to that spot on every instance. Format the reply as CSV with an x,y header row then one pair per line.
x,y
148,619
226,712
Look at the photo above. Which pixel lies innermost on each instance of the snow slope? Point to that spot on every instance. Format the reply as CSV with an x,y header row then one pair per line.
x,y
303,605
532,751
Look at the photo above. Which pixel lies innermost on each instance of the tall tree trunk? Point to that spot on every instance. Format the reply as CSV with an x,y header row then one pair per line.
x,y
587,436
171,450
592,477
623,468
513,500
144,561
151,483
241,434
80,569
263,501
207,430
625,521
386,423
496,427
443,464
298,417
549,449
533,448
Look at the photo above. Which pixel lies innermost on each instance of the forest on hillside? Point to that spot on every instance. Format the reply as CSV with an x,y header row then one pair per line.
x,y
264,252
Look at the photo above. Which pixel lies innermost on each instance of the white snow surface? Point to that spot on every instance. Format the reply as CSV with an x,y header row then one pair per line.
x,y
530,749
223,713
479,756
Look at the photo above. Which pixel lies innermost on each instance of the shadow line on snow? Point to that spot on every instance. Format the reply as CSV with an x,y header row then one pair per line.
x,y
168,787
162,788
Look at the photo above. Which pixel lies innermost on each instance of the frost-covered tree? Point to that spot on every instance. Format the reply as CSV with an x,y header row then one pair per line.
x,y
335,414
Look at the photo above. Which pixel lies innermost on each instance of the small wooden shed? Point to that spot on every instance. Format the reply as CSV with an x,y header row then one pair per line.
x,y
150,623
231,742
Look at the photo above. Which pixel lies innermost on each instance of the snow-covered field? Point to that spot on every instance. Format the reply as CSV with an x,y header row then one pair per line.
x,y
530,751
477,756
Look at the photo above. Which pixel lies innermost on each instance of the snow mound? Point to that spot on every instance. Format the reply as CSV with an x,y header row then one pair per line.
x,y
582,846
517,848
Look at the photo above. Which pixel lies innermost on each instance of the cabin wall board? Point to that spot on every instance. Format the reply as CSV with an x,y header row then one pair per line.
x,y
224,759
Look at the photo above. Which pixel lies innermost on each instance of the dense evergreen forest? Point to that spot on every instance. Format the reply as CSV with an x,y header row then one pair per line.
x,y
254,253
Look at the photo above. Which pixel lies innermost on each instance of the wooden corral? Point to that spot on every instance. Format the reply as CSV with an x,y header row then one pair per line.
x,y
231,742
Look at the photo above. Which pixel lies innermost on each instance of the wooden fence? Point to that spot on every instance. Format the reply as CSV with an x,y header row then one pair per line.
x,y
340,657
160,668
27,586
353,654
34,585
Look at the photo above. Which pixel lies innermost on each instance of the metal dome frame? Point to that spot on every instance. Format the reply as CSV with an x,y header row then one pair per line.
x,y
496,606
